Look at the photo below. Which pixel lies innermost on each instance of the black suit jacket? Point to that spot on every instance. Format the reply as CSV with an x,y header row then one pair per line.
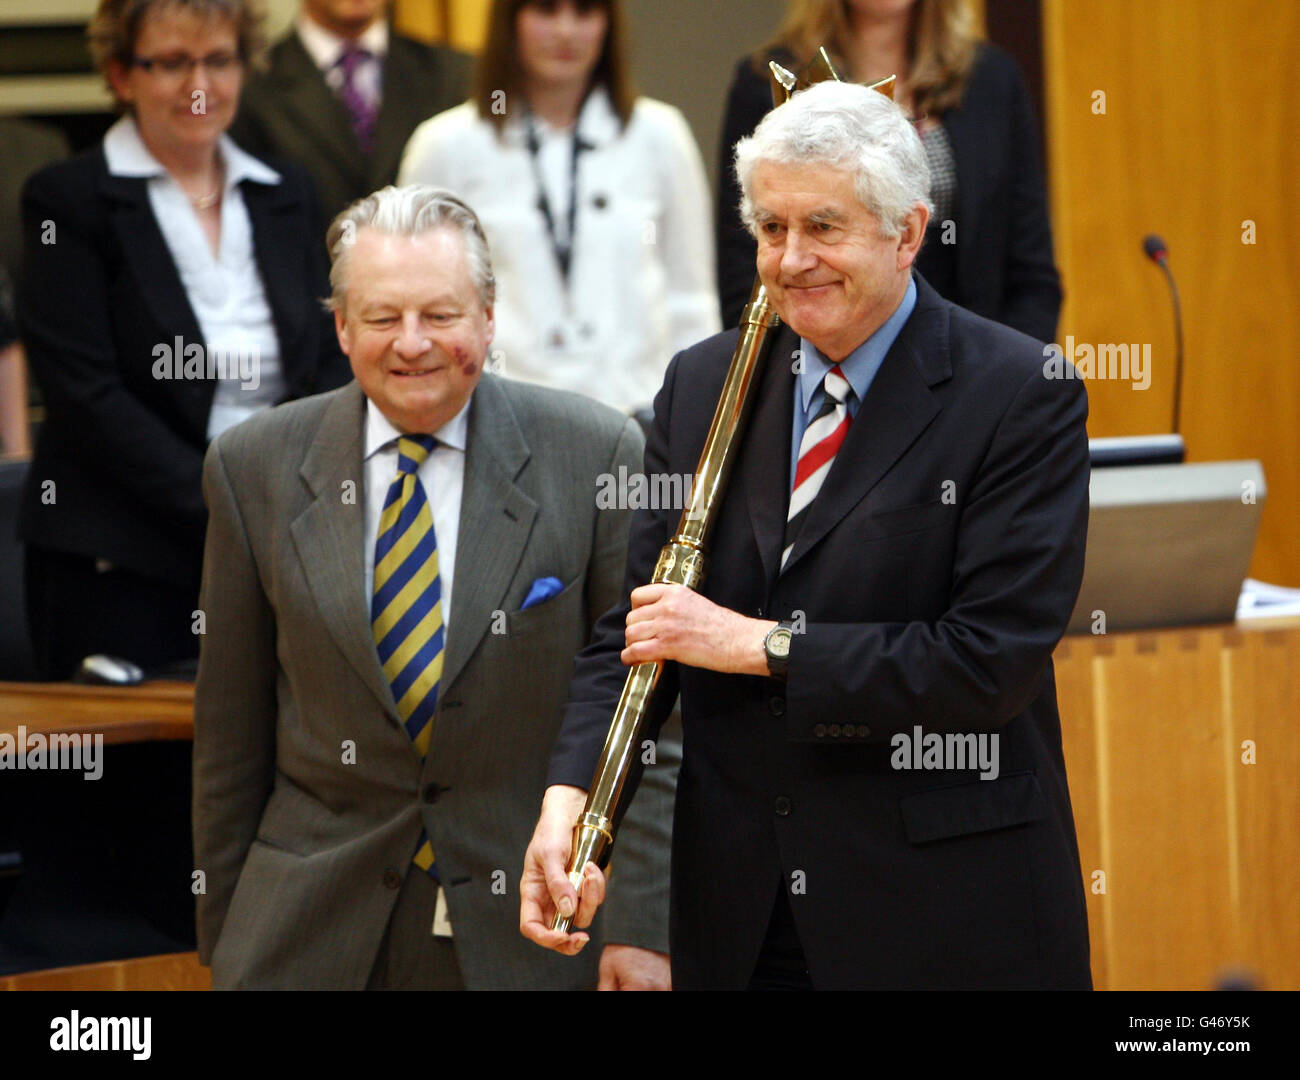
x,y
936,573
1004,239
290,111
124,449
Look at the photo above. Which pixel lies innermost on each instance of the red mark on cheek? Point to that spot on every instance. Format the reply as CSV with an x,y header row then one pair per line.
x,y
468,367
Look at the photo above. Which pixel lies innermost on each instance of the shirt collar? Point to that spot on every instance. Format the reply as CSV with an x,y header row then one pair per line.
x,y
861,365
325,48
127,155
380,431
597,124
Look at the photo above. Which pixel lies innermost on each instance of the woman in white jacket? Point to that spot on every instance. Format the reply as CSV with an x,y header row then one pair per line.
x,y
594,202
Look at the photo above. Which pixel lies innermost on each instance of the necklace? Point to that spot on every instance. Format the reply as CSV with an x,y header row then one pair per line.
x,y
208,201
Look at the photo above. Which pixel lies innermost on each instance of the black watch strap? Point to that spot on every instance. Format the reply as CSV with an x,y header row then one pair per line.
x,y
777,647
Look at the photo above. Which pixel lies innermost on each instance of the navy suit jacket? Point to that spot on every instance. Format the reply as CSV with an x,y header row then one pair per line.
x,y
932,580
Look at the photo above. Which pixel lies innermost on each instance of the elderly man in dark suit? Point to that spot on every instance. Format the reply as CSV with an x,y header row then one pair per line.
x,y
398,575
342,94
896,556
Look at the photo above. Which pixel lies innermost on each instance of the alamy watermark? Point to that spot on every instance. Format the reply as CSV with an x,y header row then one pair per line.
x,y
641,491
1122,362
197,361
61,751
949,750
120,1033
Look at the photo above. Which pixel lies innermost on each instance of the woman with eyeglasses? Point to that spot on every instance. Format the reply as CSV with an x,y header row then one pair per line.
x,y
594,201
170,291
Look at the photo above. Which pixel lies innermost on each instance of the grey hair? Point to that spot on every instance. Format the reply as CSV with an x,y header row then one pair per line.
x,y
846,126
409,211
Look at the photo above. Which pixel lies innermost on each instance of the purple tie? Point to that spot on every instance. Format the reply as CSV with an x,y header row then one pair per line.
x,y
361,111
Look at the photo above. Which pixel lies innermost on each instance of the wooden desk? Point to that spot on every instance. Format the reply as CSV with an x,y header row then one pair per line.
x,y
170,971
1196,849
153,711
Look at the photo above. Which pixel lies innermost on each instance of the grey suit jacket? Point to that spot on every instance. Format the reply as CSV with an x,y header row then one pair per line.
x,y
308,795
290,111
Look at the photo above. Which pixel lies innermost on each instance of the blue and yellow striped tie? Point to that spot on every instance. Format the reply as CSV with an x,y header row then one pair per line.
x,y
406,608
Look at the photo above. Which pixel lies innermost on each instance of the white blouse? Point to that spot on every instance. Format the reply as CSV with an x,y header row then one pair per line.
x,y
224,289
641,281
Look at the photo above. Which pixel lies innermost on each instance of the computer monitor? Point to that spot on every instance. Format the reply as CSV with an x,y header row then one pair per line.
x,y
1168,545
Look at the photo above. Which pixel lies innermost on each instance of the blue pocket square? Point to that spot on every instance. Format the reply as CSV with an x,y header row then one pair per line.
x,y
542,589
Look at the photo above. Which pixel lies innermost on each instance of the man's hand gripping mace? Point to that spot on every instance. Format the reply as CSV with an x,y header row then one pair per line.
x,y
681,562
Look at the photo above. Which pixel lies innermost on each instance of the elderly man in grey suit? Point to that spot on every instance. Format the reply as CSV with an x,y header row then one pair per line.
x,y
397,577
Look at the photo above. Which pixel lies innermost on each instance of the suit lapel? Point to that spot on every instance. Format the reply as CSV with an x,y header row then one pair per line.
x,y
898,407
329,536
305,94
765,454
145,251
496,517
141,241
277,247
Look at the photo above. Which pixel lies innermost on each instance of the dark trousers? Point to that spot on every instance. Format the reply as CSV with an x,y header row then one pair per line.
x,y
781,964
75,609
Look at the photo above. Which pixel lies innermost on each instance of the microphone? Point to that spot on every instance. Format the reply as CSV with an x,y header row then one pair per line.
x,y
1159,254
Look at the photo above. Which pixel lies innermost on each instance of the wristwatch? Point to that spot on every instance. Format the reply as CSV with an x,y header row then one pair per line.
x,y
777,647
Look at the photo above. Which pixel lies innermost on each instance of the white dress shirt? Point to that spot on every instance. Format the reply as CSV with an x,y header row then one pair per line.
x,y
326,50
641,280
441,474
224,290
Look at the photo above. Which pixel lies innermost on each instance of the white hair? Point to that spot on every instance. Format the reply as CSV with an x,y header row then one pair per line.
x,y
409,211
846,126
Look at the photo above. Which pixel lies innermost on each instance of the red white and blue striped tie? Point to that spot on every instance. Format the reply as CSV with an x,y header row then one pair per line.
x,y
817,449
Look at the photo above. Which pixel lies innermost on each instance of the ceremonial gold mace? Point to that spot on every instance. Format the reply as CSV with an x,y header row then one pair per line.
x,y
681,562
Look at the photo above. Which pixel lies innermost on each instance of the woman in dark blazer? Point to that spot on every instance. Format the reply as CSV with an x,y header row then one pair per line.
x,y
155,263
989,245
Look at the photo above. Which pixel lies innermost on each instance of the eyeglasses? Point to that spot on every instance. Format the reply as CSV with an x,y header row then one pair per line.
x,y
182,66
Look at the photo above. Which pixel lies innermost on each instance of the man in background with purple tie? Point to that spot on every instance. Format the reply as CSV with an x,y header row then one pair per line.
x,y
342,94
872,792
397,577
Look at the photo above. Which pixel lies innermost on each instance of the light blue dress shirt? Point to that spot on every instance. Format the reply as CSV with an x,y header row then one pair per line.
x,y
859,367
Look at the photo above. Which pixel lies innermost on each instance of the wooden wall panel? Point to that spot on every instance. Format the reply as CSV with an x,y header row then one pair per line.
x,y
1198,847
1264,692
1199,135
1167,878
1085,771
462,23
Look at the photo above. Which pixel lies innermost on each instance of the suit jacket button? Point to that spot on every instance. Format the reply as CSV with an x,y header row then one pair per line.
x,y
431,793
863,731
820,731
783,806
392,879
777,705
835,731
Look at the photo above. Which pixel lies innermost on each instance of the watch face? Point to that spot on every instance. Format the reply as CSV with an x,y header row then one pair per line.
x,y
778,642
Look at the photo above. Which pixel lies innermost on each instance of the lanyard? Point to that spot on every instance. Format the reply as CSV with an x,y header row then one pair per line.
x,y
563,252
